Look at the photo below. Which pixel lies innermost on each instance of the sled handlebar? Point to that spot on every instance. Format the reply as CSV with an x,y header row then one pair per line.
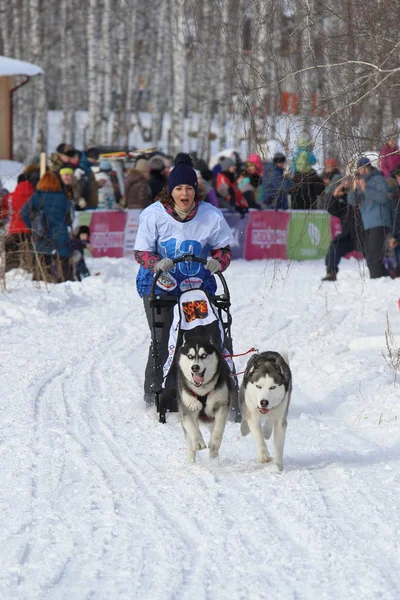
x,y
173,299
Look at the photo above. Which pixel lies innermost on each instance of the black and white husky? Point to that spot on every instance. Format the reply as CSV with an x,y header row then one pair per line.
x,y
204,393
264,398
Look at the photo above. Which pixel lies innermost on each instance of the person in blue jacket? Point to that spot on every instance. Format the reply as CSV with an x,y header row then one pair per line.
x,y
50,207
371,194
275,184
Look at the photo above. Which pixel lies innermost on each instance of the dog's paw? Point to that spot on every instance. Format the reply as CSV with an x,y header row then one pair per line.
x,y
275,467
265,457
214,452
244,428
199,445
214,447
278,466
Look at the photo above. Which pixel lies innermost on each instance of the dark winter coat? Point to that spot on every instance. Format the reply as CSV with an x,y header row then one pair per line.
x,y
137,190
306,189
275,187
157,183
56,208
350,221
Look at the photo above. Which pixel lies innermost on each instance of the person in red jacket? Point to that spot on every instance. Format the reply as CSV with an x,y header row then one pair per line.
x,y
17,233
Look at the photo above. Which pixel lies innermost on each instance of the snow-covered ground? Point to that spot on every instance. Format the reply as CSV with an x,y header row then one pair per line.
x,y
97,500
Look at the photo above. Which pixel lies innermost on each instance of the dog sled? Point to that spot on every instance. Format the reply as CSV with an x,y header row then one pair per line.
x,y
195,313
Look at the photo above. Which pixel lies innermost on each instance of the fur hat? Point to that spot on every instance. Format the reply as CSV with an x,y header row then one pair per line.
x,y
156,164
183,173
142,165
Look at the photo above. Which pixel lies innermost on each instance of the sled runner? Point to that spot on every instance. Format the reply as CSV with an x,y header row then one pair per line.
x,y
196,313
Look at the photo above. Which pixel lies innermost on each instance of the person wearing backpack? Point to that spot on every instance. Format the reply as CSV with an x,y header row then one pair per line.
x,y
47,214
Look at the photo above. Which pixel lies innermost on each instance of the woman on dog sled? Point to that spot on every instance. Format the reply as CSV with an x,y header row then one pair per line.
x,y
178,223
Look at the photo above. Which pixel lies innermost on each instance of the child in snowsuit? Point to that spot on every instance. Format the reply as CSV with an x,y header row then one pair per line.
x,y
80,241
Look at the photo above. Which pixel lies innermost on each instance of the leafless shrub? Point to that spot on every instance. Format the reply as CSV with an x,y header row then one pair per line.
x,y
392,357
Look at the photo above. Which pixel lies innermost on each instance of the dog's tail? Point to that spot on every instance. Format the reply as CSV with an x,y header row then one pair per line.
x,y
244,428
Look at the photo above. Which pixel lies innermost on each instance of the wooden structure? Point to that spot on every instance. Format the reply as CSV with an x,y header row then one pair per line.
x,y
9,69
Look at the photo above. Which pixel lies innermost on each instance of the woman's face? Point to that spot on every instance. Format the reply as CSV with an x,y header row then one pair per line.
x,y
66,178
183,196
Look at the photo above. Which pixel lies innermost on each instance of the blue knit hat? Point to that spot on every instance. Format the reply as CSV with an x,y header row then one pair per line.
x,y
183,173
363,162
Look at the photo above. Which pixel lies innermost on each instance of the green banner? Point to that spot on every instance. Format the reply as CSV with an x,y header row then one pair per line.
x,y
308,235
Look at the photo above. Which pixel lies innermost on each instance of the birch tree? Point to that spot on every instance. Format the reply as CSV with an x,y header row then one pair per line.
x,y
106,67
120,71
177,111
159,76
207,60
223,70
39,141
94,100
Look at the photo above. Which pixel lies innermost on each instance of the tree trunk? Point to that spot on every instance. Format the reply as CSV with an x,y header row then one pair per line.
x,y
132,75
106,66
119,116
159,80
208,59
179,75
39,141
94,100
223,69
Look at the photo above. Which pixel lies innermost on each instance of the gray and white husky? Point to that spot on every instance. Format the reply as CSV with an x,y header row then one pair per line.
x,y
204,394
264,398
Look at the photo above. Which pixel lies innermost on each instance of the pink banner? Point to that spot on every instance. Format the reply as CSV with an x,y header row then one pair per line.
x,y
107,230
335,230
266,235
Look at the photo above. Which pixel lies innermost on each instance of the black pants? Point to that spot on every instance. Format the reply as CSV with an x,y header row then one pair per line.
x,y
154,368
338,248
374,251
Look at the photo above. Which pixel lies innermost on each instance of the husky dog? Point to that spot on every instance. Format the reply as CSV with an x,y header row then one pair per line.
x,y
264,398
204,393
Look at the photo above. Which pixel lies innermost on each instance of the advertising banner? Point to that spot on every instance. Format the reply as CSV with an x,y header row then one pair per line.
x,y
238,226
267,235
131,227
107,231
309,235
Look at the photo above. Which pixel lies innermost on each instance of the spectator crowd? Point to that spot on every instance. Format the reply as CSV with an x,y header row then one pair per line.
x,y
37,217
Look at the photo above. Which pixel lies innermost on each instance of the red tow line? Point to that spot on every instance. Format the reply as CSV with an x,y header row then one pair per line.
x,y
242,354
235,355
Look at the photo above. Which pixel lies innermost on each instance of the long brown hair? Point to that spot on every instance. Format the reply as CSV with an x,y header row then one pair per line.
x,y
167,200
49,183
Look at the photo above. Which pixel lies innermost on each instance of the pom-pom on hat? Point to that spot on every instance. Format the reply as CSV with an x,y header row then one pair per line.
x,y
183,173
